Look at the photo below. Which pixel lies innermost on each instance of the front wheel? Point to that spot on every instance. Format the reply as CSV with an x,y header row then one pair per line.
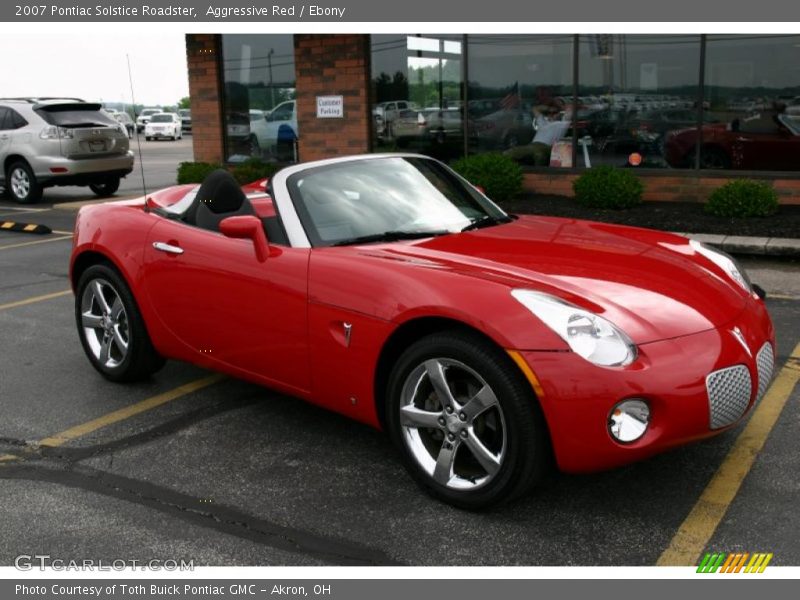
x,y
465,420
112,331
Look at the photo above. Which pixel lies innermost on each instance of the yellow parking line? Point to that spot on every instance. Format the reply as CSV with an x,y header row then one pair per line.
x,y
34,299
88,202
48,240
701,523
7,457
129,411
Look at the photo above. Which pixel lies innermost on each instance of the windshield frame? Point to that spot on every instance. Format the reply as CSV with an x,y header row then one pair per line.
x,y
313,239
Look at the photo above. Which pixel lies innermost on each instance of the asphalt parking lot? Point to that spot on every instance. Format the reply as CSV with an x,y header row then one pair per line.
x,y
193,466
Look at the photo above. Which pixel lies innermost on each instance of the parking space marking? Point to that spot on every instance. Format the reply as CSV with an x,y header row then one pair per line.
x,y
23,209
127,412
80,203
62,232
34,299
701,523
47,241
782,297
8,457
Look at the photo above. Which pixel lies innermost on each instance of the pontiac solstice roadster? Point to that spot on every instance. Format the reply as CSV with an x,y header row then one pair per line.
x,y
387,288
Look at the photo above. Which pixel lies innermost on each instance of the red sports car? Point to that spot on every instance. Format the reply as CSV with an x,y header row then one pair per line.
x,y
388,289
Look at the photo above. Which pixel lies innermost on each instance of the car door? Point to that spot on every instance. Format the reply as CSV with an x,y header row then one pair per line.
x,y
5,134
765,144
225,306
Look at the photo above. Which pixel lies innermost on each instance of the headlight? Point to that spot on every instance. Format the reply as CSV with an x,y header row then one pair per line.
x,y
725,262
589,335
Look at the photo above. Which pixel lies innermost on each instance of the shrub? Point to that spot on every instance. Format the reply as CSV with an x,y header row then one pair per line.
x,y
743,198
195,172
607,187
253,169
498,175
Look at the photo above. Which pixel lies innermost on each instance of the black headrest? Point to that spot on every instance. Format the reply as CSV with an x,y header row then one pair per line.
x,y
221,193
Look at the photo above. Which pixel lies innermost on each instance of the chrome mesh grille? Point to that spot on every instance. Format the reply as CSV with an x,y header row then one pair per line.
x,y
728,395
765,363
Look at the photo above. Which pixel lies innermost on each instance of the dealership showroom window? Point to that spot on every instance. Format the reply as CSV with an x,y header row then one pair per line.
x,y
716,102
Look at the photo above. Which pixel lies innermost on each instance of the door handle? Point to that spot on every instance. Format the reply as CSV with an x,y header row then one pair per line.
x,y
168,248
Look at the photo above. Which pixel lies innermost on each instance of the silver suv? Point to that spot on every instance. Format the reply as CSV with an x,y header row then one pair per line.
x,y
60,141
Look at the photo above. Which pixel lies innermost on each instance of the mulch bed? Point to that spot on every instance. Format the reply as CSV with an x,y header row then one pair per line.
x,y
686,217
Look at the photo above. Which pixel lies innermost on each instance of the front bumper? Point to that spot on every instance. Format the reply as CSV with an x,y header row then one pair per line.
x,y
671,375
43,166
160,134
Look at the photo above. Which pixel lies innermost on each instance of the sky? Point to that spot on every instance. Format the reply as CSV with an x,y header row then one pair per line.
x,y
93,67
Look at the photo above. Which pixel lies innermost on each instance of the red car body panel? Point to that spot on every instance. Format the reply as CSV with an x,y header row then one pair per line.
x,y
279,322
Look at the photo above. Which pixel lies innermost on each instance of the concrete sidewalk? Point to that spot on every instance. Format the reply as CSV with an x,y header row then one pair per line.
x,y
741,244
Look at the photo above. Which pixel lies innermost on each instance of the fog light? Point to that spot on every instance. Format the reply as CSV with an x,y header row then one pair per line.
x,y
629,420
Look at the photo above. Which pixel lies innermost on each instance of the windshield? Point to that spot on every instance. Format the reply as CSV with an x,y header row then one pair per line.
x,y
393,196
792,123
161,119
149,111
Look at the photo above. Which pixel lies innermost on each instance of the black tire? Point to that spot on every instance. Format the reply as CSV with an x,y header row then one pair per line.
x,y
714,159
147,138
510,141
255,147
105,187
140,360
29,189
526,457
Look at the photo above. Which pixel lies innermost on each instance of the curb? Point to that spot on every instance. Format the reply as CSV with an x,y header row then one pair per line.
x,y
756,246
24,227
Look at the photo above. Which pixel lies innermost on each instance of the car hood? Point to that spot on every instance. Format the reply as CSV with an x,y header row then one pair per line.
x,y
651,284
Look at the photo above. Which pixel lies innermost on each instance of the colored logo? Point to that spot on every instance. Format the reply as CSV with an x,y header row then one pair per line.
x,y
740,562
635,159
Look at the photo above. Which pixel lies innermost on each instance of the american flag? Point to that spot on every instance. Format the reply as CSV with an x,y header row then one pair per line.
x,y
512,99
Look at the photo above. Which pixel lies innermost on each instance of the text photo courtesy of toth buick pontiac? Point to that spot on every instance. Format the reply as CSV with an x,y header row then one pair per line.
x,y
385,287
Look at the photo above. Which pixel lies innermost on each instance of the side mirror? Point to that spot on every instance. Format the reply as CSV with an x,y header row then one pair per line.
x,y
247,227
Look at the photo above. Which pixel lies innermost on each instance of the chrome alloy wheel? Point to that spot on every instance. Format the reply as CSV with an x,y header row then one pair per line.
x,y
453,424
105,323
20,183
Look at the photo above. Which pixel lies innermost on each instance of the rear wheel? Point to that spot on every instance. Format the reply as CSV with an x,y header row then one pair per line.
x,y
21,184
105,187
467,424
111,329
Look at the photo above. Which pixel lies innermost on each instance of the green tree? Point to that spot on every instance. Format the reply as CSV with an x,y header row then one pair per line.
x,y
185,102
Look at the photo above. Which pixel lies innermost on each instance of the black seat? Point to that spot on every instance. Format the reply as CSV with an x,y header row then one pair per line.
x,y
218,198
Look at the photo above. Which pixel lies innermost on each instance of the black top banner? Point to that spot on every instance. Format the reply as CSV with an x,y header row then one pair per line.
x,y
354,11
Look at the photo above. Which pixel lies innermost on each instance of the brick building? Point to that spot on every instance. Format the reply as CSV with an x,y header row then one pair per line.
x,y
686,112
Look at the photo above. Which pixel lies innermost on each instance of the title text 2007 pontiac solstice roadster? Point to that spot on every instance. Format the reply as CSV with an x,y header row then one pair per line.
x,y
387,288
